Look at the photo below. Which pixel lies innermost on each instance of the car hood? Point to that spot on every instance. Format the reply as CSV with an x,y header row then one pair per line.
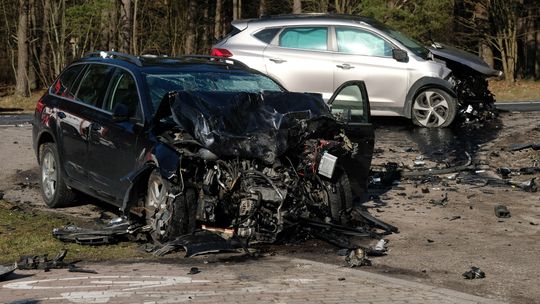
x,y
251,125
470,60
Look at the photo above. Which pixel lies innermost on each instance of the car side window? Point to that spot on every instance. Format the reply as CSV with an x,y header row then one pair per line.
x,y
63,86
94,84
309,38
267,35
123,91
349,105
360,42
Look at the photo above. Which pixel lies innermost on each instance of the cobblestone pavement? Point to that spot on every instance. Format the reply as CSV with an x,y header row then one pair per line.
x,y
266,280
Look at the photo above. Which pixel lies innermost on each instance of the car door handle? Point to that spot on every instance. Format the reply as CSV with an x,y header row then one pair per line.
x,y
277,60
61,115
345,66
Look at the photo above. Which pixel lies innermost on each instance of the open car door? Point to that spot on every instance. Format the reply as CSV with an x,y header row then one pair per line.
x,y
350,105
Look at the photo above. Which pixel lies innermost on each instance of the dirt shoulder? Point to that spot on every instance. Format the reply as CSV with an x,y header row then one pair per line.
x,y
436,244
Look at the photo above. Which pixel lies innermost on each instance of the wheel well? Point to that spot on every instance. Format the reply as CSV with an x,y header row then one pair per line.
x,y
43,139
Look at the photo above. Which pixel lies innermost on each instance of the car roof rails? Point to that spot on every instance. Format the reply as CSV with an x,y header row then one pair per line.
x,y
314,15
115,55
224,60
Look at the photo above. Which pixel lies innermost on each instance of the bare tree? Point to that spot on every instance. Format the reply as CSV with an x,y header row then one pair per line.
x,y
217,20
22,88
125,26
297,7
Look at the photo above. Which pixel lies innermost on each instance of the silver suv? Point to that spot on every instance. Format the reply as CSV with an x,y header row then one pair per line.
x,y
318,53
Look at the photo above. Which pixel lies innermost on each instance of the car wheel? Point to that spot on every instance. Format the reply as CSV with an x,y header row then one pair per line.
x,y
169,214
54,190
339,194
434,108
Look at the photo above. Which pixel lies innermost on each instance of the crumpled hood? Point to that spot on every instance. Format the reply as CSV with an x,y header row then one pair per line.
x,y
470,60
251,125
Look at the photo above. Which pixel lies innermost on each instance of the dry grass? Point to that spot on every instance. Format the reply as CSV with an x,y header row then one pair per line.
x,y
17,104
28,232
522,90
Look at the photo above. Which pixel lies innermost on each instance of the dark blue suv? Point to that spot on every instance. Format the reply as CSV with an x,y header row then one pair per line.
x,y
180,141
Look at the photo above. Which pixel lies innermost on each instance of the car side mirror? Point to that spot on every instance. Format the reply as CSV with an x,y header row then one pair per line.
x,y
120,113
400,55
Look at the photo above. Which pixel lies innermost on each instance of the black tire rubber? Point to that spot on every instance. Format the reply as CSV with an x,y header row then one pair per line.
x,y
181,208
340,195
452,107
63,195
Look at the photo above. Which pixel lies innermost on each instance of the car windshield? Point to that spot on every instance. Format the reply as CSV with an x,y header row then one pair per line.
x,y
206,81
414,46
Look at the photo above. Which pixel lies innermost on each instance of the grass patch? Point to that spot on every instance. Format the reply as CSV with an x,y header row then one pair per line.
x,y
28,232
17,104
522,90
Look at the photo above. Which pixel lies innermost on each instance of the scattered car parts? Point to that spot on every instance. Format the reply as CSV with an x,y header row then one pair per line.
x,y
474,273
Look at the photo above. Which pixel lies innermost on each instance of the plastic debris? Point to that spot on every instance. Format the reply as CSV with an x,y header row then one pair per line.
x,y
357,257
502,212
474,273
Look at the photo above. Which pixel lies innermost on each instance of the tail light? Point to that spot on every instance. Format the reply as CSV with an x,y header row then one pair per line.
x,y
40,105
221,53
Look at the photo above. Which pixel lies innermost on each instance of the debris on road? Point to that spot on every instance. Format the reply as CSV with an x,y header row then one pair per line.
x,y
194,270
6,271
440,202
519,147
357,258
474,273
502,212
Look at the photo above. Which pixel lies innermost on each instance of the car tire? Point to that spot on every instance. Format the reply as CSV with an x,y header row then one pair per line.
x,y
54,190
168,213
340,195
433,108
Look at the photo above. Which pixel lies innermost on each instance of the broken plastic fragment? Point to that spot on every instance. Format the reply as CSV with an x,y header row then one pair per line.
x,y
474,273
502,212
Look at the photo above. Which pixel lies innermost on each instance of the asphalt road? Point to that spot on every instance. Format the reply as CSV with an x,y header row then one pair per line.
x,y
521,106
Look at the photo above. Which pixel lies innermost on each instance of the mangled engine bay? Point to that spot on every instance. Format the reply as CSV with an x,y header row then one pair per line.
x,y
260,164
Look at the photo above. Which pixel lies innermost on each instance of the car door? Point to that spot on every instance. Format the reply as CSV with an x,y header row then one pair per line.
x,y
71,139
298,58
88,98
350,105
364,55
114,137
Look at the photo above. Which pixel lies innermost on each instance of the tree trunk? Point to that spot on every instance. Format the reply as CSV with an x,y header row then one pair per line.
x,y
32,49
112,34
44,49
217,20
191,28
22,87
134,46
487,53
537,64
125,26
235,9
262,8
297,7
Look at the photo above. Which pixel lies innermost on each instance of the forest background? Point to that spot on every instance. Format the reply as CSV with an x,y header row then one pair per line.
x,y
38,38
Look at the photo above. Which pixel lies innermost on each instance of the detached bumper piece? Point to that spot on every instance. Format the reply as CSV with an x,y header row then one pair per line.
x,y
116,231
201,242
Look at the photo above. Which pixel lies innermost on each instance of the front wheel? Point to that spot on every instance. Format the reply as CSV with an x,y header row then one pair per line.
x,y
169,213
433,108
340,195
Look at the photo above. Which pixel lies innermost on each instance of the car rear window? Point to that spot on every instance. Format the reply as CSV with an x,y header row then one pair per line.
x,y
267,35
311,38
161,84
63,85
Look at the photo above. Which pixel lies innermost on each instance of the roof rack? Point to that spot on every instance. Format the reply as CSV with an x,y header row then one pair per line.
x,y
224,60
116,55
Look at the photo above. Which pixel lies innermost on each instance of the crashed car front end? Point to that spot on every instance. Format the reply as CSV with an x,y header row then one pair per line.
x,y
259,163
469,81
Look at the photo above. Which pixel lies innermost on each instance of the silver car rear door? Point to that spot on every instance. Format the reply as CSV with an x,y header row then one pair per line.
x,y
298,58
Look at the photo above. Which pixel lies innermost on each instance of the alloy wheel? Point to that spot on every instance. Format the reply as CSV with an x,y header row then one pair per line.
x,y
49,175
431,109
157,213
